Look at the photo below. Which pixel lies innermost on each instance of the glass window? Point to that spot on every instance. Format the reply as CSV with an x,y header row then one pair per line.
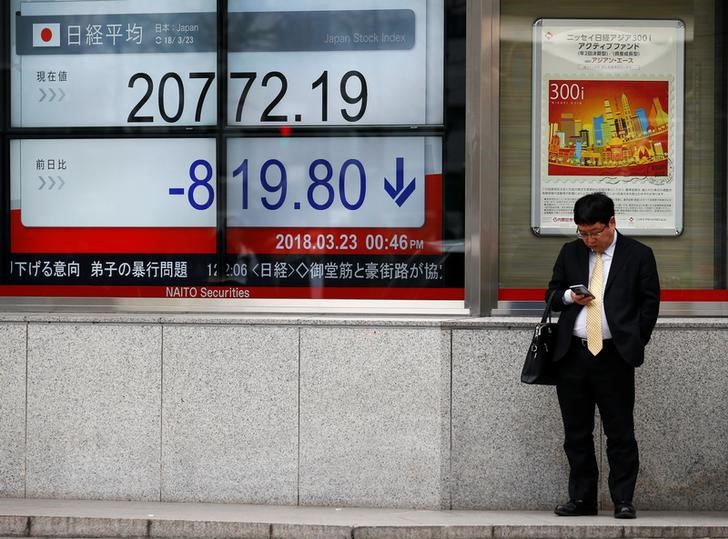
x,y
691,262
297,153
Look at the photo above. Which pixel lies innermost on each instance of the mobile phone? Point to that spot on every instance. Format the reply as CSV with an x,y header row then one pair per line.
x,y
581,290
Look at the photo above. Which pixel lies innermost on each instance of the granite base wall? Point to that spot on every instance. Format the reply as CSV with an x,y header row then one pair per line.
x,y
380,413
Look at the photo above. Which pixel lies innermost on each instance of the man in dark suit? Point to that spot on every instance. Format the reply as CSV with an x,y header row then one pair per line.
x,y
599,342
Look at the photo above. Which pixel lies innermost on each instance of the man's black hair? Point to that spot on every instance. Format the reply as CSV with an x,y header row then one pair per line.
x,y
593,208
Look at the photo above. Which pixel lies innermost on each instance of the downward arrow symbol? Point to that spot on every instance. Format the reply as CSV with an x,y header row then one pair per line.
x,y
399,192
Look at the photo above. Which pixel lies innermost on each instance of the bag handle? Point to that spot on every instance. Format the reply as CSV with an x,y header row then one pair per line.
x,y
547,310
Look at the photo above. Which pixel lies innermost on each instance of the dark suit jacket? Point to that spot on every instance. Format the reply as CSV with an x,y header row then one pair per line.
x,y
631,295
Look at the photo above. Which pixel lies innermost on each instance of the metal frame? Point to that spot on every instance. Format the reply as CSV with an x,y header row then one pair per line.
x,y
482,136
667,308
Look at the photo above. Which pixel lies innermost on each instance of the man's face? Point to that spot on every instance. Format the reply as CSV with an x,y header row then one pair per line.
x,y
598,236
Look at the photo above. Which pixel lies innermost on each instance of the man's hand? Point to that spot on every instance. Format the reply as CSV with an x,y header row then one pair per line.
x,y
581,299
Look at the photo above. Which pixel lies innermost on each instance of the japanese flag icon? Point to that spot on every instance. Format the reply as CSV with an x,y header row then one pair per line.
x,y
47,35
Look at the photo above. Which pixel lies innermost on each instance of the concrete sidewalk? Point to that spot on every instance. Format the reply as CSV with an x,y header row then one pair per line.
x,y
110,519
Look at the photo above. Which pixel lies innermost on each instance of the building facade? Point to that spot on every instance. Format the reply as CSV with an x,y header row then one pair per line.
x,y
292,253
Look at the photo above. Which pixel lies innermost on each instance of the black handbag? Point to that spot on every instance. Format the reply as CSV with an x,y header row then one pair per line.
x,y
539,367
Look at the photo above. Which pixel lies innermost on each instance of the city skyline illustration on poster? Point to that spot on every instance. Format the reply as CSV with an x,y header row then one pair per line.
x,y
608,127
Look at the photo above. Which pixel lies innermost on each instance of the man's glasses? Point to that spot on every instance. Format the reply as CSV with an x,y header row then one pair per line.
x,y
587,235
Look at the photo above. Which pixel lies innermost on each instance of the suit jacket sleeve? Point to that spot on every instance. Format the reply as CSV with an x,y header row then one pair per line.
x,y
632,298
571,267
557,285
649,295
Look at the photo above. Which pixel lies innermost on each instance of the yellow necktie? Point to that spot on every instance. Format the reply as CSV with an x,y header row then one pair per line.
x,y
594,309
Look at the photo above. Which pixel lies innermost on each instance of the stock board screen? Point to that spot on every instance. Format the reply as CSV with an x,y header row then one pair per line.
x,y
300,157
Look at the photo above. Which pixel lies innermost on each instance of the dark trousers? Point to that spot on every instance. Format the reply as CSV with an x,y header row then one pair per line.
x,y
606,381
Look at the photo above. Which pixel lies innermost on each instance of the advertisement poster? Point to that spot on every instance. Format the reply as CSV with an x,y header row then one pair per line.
x,y
608,116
